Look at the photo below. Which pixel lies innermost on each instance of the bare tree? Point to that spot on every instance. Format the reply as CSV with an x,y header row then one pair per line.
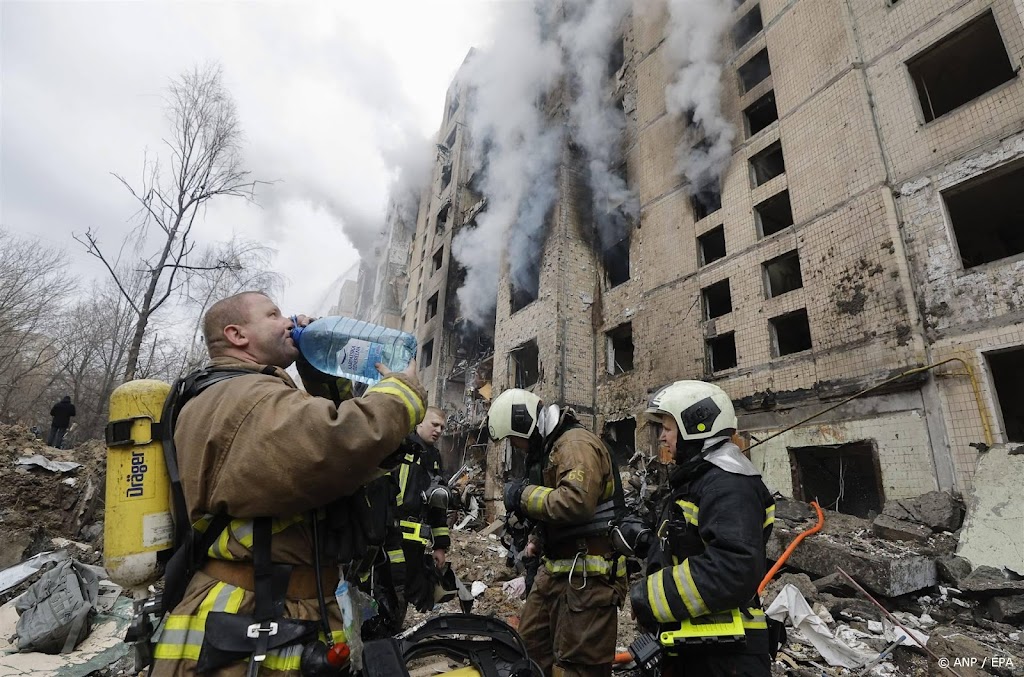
x,y
33,283
248,272
204,163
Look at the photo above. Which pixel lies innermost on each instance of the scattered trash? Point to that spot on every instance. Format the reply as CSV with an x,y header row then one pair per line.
x,y
47,464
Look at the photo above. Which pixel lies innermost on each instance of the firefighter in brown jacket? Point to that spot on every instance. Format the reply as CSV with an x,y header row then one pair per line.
x,y
258,449
569,621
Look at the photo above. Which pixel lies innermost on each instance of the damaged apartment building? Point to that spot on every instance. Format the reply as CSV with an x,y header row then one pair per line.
x,y
863,251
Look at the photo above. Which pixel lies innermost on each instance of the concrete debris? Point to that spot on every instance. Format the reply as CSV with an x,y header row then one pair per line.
x,y
936,510
952,568
791,605
900,530
1006,609
989,582
992,533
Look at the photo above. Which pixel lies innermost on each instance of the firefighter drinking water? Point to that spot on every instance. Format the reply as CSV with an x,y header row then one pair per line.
x,y
259,460
572,491
708,554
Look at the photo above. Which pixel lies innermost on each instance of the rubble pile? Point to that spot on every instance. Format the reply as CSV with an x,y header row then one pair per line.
x,y
48,494
905,558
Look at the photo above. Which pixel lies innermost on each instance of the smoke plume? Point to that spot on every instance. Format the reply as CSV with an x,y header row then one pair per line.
x,y
520,156
597,123
693,51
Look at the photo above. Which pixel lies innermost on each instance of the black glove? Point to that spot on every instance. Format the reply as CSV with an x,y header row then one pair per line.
x,y
641,609
632,538
513,496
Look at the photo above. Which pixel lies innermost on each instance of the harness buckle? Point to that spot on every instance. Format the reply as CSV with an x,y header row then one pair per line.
x,y
254,630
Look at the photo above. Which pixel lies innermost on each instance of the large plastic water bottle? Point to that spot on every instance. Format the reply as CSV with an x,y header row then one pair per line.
x,y
341,346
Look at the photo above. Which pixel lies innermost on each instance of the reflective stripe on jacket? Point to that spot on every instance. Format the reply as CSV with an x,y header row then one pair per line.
x,y
713,535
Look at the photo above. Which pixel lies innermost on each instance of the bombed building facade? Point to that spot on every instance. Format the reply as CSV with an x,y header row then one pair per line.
x,y
816,209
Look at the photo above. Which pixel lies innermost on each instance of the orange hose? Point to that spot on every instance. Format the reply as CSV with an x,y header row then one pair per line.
x,y
792,546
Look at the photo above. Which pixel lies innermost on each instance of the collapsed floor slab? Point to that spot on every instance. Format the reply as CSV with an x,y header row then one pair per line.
x,y
890,572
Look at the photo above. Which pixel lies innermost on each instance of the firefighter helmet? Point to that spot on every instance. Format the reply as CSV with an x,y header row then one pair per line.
x,y
513,413
701,410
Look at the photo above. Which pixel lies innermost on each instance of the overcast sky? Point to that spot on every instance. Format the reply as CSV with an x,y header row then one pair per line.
x,y
327,95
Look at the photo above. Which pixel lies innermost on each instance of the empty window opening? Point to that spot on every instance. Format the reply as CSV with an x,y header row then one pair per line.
x,y
706,201
791,333
721,352
747,27
712,245
1007,369
442,216
773,214
431,306
782,274
427,353
450,141
620,349
761,113
620,437
841,477
520,297
960,67
754,71
616,57
446,175
526,364
987,215
767,164
717,300
616,263
439,258
452,107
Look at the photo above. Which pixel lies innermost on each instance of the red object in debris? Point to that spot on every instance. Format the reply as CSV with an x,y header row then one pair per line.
x,y
792,546
337,655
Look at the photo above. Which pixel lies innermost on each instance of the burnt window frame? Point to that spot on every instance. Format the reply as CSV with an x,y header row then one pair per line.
x,y
612,365
427,354
769,293
709,358
519,367
715,289
773,330
702,238
432,306
948,43
757,164
971,184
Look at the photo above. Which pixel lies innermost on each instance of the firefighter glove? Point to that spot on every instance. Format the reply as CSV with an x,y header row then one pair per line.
x,y
641,607
514,495
632,538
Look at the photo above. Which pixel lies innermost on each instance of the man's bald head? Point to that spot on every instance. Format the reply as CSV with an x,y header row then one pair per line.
x,y
232,310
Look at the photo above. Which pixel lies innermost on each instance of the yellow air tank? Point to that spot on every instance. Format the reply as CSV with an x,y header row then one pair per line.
x,y
138,514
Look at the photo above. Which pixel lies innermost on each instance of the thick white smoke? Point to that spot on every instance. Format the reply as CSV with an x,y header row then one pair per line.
x,y
510,80
597,122
693,48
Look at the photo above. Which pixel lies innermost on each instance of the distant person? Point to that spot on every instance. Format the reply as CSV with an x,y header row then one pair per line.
x,y
61,413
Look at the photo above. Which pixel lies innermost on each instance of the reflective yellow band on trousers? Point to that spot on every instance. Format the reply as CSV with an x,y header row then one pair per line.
x,y
591,564
181,637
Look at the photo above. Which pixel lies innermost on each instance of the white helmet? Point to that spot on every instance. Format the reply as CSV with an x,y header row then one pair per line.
x,y
701,410
513,413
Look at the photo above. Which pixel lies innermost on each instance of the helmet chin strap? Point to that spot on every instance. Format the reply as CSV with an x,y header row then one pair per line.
x,y
548,419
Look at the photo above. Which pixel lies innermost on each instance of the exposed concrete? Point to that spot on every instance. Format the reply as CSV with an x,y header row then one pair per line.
x,y
102,648
993,533
953,569
1006,609
900,530
883,571
988,581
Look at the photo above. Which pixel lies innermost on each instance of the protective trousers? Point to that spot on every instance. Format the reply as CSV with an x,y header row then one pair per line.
x,y
572,631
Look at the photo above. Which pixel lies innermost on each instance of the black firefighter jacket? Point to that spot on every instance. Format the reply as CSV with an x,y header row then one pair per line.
x,y
714,526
